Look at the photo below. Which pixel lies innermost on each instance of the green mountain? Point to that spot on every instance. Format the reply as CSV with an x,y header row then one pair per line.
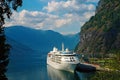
x,y
101,34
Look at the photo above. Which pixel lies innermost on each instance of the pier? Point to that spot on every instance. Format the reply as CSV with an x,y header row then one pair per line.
x,y
86,67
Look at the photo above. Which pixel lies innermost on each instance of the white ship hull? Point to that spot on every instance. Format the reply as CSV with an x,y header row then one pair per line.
x,y
67,66
62,60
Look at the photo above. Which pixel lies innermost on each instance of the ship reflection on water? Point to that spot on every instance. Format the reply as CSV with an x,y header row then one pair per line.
x,y
55,74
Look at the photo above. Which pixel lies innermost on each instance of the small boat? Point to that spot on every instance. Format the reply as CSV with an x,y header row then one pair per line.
x,y
62,59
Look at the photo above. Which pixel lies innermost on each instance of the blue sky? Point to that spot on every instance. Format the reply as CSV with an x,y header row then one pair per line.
x,y
63,16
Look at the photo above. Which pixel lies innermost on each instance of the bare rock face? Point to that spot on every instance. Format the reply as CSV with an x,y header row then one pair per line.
x,y
101,34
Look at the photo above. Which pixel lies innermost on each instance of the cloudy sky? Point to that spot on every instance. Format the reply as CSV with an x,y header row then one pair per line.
x,y
64,16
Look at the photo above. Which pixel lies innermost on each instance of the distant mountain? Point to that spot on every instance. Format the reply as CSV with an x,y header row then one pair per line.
x,y
39,40
101,34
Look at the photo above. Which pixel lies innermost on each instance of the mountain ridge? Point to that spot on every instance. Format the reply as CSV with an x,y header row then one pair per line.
x,y
43,40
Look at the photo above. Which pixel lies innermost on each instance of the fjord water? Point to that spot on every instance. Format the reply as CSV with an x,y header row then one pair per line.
x,y
32,66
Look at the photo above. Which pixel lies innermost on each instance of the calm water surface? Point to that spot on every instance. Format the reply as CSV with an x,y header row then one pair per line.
x,y
33,67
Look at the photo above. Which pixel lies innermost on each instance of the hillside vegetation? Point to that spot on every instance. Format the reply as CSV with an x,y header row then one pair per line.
x,y
101,34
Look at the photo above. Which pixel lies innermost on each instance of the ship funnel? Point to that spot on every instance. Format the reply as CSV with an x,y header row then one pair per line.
x,y
62,47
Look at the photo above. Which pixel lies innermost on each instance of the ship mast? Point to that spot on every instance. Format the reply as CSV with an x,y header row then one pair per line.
x,y
62,47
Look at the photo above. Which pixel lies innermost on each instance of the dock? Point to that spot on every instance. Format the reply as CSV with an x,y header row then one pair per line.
x,y
86,67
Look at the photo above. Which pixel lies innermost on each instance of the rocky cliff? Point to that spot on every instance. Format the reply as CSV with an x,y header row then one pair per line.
x,y
101,34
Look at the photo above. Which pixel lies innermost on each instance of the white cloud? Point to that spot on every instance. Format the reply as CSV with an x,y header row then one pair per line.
x,y
60,15
71,6
34,19
61,22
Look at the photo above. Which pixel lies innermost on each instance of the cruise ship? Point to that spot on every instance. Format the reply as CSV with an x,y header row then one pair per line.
x,y
62,59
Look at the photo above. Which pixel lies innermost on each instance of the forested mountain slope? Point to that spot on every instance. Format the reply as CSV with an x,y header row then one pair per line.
x,y
101,34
